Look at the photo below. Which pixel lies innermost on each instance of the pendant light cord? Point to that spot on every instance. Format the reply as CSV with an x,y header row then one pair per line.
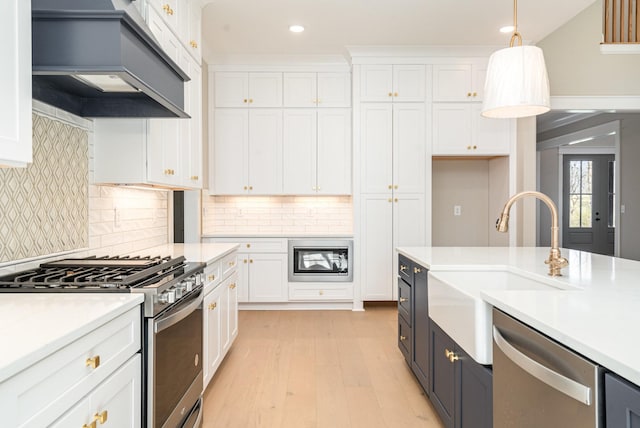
x,y
516,34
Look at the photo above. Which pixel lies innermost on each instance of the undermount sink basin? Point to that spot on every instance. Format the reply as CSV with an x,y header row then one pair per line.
x,y
456,305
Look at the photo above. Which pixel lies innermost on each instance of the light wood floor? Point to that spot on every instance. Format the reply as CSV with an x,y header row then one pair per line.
x,y
330,369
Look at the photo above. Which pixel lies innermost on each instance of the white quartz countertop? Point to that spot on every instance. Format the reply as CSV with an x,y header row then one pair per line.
x,y
34,325
203,253
595,311
279,235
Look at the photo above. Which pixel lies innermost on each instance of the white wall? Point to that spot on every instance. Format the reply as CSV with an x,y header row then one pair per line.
x,y
548,179
576,66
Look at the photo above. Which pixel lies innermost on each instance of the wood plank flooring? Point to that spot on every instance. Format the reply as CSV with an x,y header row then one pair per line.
x,y
317,369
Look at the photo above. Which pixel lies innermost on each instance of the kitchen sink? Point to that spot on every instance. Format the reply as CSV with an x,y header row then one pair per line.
x,y
457,306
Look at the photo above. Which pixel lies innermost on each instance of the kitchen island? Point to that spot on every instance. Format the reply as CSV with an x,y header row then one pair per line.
x,y
595,309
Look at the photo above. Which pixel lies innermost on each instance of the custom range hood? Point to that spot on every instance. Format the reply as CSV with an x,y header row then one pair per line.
x,y
97,58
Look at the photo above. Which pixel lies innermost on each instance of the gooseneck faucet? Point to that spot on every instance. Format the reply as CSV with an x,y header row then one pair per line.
x,y
555,260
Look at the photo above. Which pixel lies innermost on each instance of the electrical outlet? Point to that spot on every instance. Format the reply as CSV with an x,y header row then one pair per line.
x,y
457,210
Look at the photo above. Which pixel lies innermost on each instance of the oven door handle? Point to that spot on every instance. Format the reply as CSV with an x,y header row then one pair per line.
x,y
171,318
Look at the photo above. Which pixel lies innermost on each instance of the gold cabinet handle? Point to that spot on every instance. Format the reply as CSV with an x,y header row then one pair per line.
x,y
193,44
91,425
403,268
211,277
166,8
100,417
232,285
232,263
212,306
194,177
451,355
417,270
403,299
403,337
93,362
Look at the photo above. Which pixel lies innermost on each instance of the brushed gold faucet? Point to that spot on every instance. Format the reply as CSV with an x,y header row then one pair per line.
x,y
555,260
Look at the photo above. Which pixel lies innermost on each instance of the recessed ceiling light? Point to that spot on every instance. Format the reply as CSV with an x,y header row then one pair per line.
x,y
296,28
507,29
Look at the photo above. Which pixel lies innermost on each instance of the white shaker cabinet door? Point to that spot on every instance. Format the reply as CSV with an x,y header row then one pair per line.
x,y
230,150
334,90
376,83
452,82
334,152
265,89
265,152
232,308
300,89
409,148
212,344
376,169
376,247
299,151
15,83
492,136
267,277
231,89
452,129
409,83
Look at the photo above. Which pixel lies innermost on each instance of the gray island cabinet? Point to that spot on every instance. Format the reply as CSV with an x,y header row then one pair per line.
x,y
459,388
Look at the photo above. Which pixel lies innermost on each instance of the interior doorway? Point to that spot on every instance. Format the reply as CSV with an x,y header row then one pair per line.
x,y
588,220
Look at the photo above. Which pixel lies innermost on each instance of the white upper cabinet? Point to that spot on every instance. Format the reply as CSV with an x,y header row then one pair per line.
x,y
194,34
393,83
459,129
247,152
459,82
248,89
317,151
317,89
15,84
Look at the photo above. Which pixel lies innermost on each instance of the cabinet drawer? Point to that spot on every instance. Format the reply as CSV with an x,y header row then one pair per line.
x,y
257,245
212,275
405,269
404,339
404,300
118,398
228,264
41,393
320,292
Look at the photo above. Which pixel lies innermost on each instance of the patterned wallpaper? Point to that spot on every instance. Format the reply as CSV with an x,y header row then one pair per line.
x,y
44,207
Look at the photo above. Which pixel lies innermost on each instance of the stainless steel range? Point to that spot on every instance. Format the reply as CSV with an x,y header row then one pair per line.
x,y
172,312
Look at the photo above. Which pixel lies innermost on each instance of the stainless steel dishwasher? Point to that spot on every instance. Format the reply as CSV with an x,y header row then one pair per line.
x,y
540,383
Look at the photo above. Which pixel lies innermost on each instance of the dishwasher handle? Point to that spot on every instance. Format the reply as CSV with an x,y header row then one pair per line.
x,y
569,387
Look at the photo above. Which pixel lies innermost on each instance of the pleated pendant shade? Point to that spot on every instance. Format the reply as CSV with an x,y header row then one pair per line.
x,y
517,84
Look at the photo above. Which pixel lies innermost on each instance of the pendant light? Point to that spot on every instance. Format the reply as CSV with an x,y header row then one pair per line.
x,y
517,84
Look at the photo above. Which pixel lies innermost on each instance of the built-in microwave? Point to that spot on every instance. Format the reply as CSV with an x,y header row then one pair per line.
x,y
320,260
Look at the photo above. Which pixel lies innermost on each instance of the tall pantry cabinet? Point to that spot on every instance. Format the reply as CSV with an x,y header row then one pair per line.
x,y
393,169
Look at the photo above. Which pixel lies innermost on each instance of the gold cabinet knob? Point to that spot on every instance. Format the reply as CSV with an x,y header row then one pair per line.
x,y
395,199
245,187
390,200
468,147
475,147
321,292
248,245
245,260
451,355
390,186
232,263
93,362
232,285
395,187
194,177
250,100
245,101
100,417
193,44
403,299
395,94
468,94
403,337
250,260
417,270
390,94
166,8
475,94
403,268
212,306
250,187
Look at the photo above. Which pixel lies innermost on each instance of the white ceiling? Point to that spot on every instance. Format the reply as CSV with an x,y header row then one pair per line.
x,y
261,26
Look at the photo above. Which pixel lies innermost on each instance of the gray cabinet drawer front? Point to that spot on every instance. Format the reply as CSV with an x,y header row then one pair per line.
x,y
404,301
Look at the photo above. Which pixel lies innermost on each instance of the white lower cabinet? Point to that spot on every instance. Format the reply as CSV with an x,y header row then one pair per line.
x,y
116,402
265,277
99,372
220,313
